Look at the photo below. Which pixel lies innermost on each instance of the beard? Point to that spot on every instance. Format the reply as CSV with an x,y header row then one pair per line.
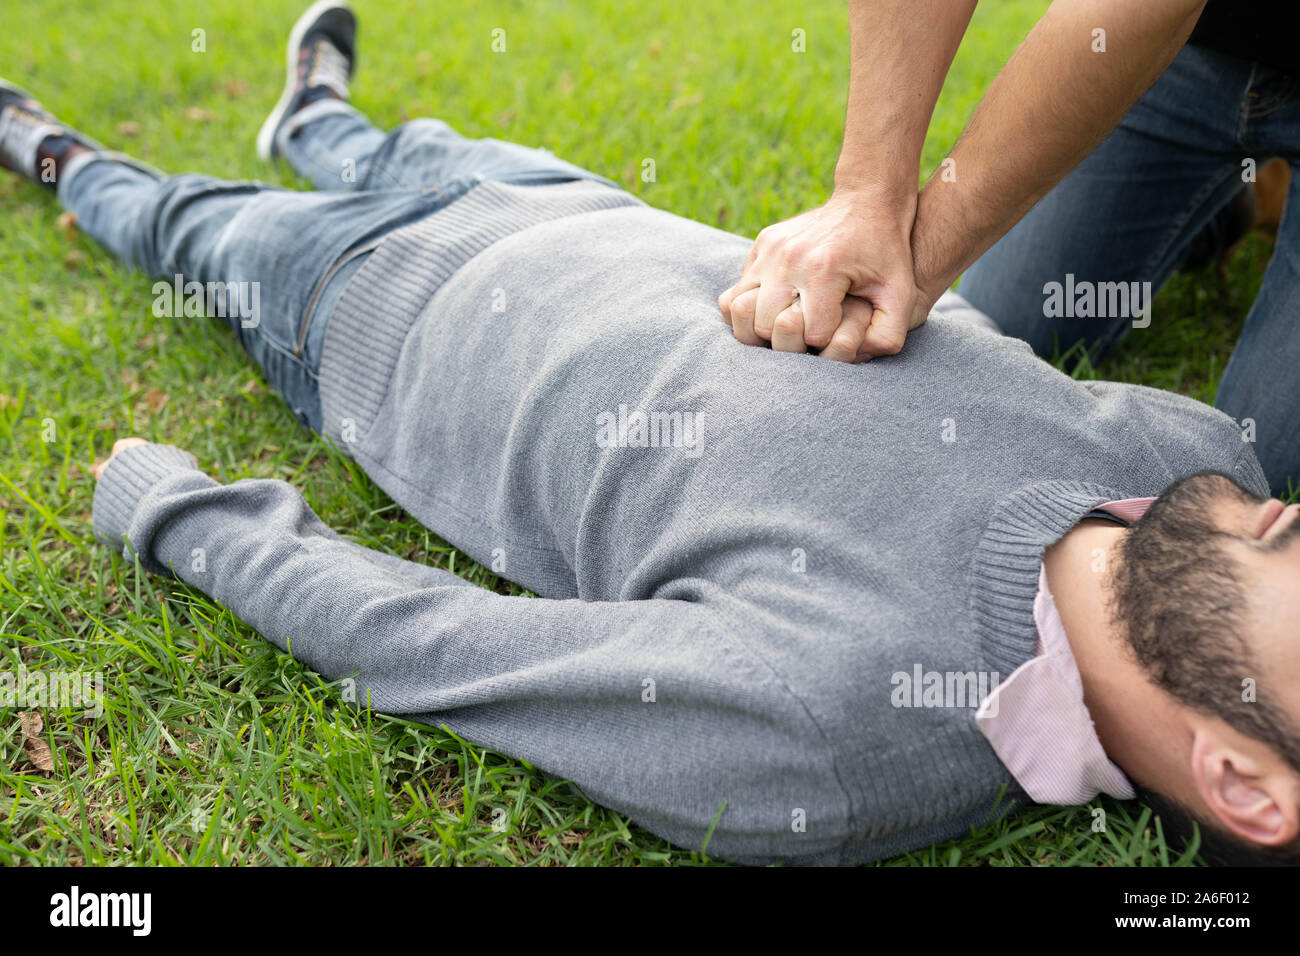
x,y
1177,594
1180,598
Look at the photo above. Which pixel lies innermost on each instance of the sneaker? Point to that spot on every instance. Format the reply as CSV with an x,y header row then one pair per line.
x,y
24,126
321,60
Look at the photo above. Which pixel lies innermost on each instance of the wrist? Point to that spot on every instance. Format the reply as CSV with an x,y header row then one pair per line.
x,y
885,213
941,245
881,193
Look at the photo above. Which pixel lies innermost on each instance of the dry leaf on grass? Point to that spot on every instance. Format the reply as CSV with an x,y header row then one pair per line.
x,y
156,398
67,222
38,751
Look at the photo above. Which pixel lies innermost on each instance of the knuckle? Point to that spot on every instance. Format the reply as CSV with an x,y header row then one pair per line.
x,y
819,260
889,343
787,324
818,336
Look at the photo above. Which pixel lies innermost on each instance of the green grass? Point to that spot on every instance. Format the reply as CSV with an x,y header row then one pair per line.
x,y
216,748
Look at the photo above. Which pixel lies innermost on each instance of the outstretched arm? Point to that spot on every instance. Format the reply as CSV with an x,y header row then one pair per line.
x,y
654,708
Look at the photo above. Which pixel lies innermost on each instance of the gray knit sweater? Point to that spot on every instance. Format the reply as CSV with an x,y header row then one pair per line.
x,y
736,550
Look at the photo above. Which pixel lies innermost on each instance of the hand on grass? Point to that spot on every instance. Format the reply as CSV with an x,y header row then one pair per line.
x,y
119,446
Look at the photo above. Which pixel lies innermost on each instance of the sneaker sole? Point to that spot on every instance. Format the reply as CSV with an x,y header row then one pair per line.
x,y
14,88
266,135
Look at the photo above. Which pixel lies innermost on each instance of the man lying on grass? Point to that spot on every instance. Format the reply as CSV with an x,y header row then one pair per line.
x,y
803,610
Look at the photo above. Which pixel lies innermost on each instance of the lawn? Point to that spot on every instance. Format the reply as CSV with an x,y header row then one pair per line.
x,y
213,747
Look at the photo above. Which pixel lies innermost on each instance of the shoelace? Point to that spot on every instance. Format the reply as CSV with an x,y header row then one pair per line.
x,y
329,68
20,133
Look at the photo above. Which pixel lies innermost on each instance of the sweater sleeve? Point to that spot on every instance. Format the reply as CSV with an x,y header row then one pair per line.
x,y
653,707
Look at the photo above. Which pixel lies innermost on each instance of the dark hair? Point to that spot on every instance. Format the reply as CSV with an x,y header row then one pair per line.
x,y
1178,599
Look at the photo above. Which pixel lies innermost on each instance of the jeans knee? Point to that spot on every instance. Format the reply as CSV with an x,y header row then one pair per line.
x,y
173,227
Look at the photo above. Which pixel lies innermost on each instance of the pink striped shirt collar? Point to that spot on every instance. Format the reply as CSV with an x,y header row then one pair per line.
x,y
1036,720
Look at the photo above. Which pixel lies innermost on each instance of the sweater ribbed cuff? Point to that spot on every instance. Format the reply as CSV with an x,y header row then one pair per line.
x,y
128,478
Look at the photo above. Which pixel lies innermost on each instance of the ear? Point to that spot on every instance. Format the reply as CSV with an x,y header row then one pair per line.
x,y
1252,795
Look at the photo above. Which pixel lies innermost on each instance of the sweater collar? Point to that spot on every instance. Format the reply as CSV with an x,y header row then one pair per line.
x,y
1005,567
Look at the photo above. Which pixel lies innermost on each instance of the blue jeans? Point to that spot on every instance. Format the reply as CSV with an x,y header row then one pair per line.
x,y
1129,211
207,230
